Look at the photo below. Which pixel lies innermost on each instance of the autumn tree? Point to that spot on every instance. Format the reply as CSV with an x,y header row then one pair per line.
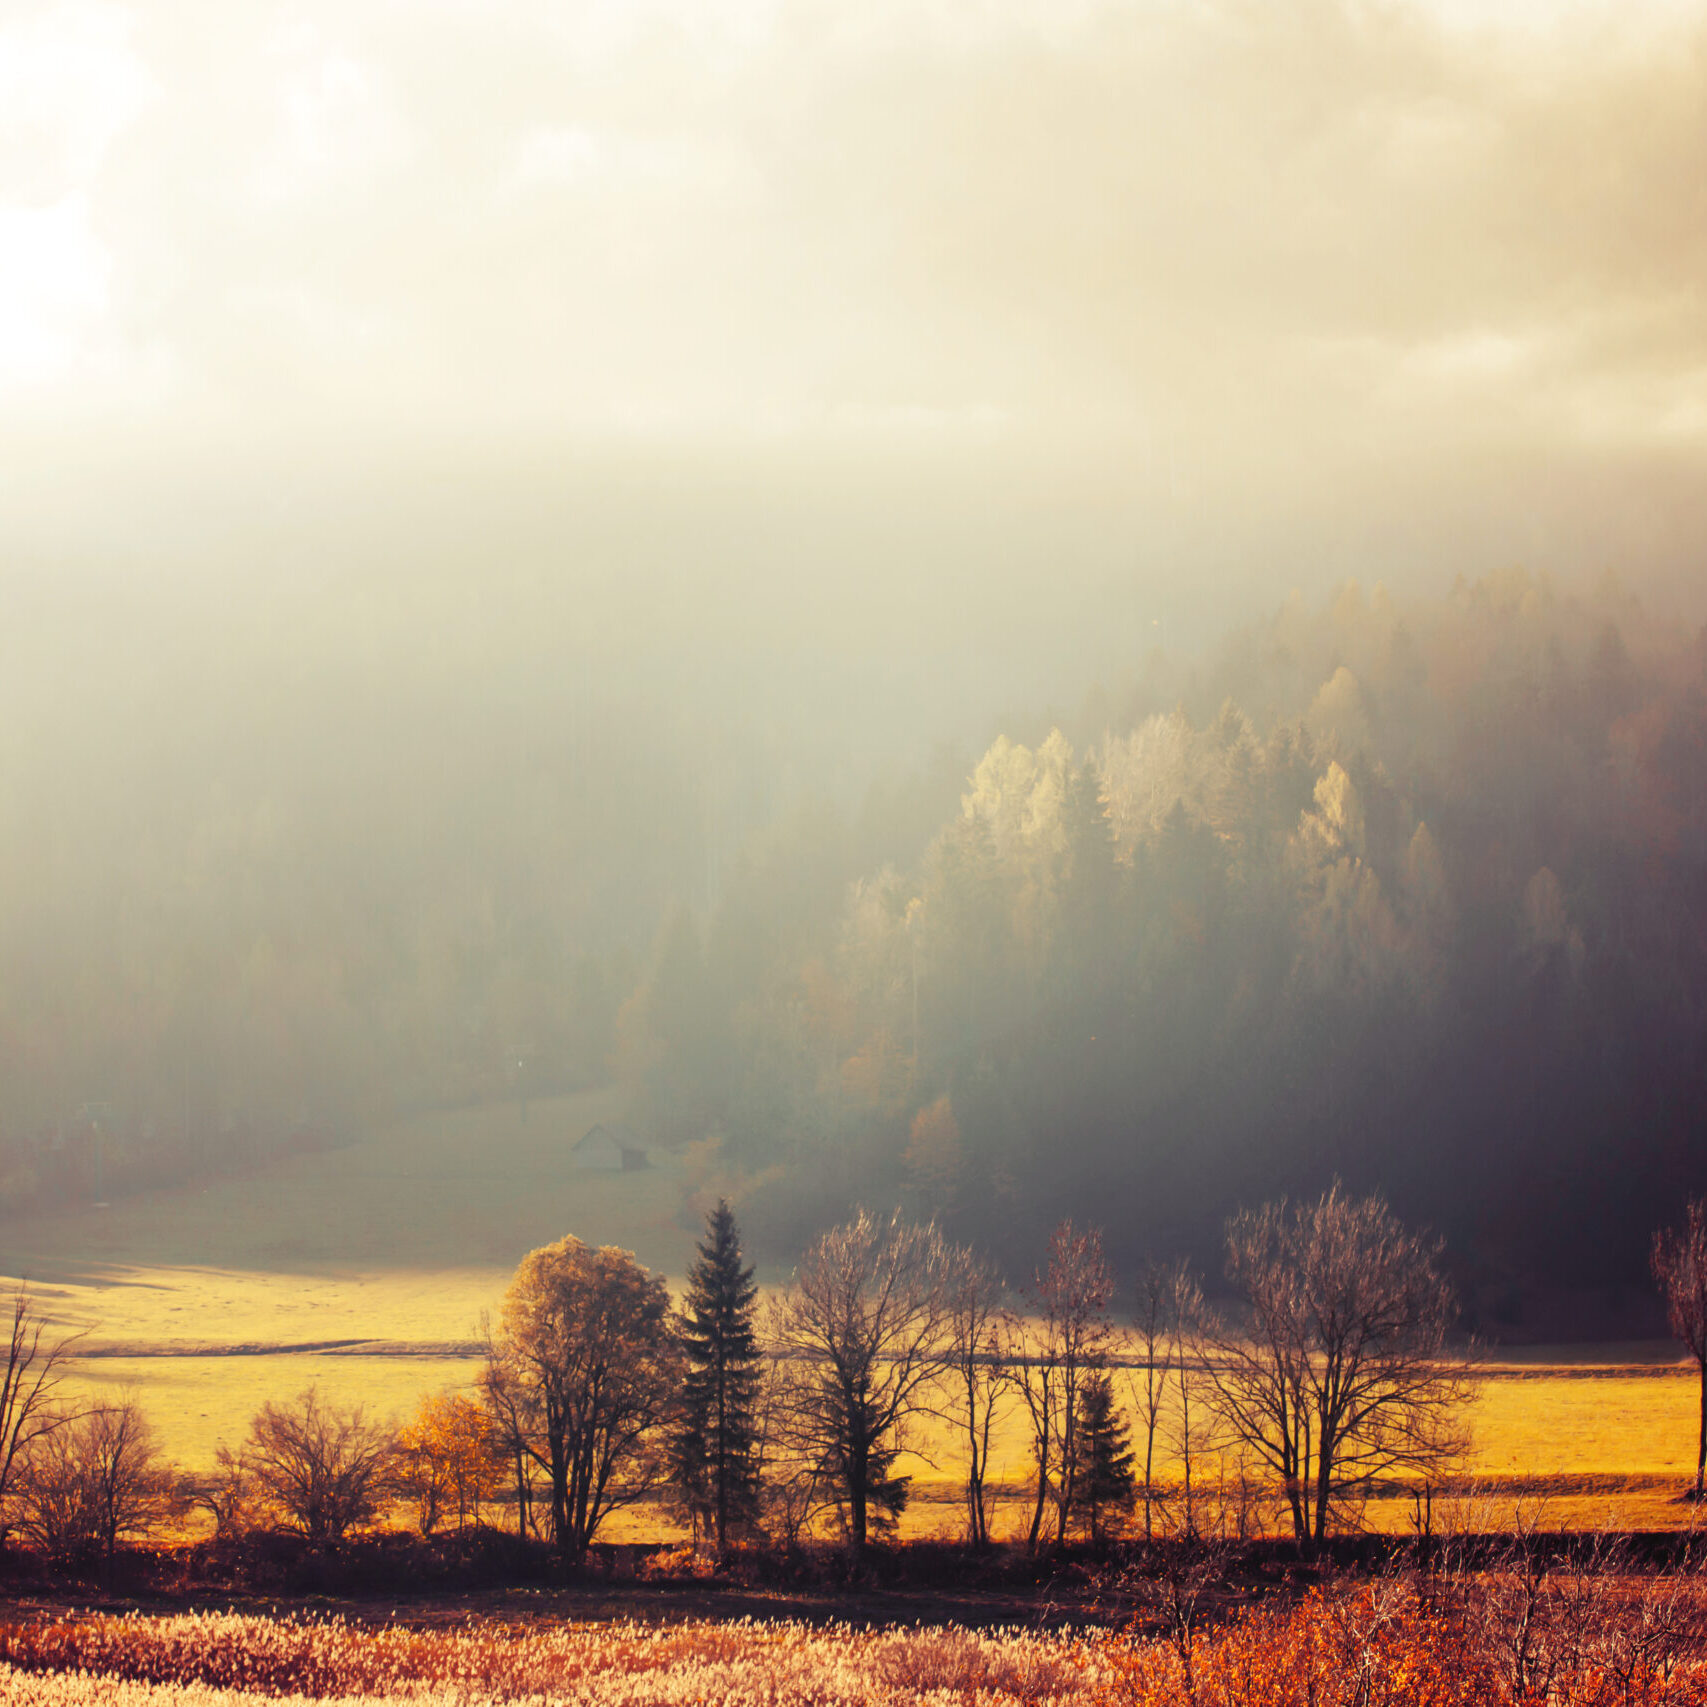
x,y
865,1327
1336,1376
448,1460
714,1438
29,1395
320,1467
94,1481
1680,1267
585,1353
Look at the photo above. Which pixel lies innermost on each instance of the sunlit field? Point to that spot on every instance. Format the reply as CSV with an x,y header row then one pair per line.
x,y
1579,1447
367,1270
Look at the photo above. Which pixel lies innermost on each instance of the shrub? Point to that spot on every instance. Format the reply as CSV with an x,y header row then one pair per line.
x,y
93,1481
321,1469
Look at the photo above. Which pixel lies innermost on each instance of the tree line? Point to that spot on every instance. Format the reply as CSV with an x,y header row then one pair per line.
x,y
770,1418
1328,1381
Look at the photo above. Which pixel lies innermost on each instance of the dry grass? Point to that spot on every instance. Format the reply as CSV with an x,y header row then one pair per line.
x,y
1537,1631
209,1659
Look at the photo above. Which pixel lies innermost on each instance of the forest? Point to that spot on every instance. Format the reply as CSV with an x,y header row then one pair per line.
x,y
1404,892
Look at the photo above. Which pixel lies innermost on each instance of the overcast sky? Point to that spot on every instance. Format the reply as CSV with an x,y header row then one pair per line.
x,y
1162,305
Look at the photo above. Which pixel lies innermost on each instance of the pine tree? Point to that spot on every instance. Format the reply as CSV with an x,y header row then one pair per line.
x,y
714,1446
1104,1453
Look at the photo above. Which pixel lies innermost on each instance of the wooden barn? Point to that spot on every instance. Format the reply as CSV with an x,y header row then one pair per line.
x,y
609,1148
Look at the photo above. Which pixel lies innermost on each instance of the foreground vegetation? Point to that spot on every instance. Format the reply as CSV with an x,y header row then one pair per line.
x,y
1536,1624
216,1659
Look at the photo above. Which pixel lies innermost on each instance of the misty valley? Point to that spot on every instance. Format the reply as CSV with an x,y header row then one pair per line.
x,y
1400,893
853,852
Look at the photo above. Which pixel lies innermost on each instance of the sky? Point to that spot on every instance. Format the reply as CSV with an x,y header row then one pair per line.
x,y
1003,335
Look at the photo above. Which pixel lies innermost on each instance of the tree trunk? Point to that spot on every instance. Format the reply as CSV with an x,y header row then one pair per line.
x,y
1042,1497
1300,1518
1701,1440
975,1497
722,1460
524,1503
1324,1494
1149,1464
859,1488
1069,1452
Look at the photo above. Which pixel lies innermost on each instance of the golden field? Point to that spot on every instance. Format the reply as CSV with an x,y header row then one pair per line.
x,y
367,1269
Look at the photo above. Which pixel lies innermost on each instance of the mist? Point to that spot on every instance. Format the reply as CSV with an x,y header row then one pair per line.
x,y
524,532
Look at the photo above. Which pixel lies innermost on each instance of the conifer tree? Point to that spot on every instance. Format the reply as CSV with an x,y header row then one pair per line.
x,y
715,1445
1104,1451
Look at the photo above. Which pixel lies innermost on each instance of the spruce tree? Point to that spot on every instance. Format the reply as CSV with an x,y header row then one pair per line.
x,y
1104,1450
714,1447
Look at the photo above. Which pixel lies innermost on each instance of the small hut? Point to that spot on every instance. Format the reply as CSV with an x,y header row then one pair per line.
x,y
609,1148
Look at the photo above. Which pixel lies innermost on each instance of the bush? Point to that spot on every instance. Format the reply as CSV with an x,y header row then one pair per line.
x,y
321,1469
93,1481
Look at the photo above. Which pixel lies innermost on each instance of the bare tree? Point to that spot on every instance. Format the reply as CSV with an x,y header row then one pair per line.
x,y
1069,1336
1680,1267
1337,1376
321,1468
29,1386
1155,1320
980,1372
95,1480
1190,1429
229,1496
789,1492
1042,1392
513,1408
865,1328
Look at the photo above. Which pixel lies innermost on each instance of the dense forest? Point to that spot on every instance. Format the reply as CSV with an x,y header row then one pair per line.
x,y
1408,895
1412,893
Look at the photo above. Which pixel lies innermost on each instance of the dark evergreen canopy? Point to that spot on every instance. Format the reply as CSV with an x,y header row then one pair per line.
x,y
716,1439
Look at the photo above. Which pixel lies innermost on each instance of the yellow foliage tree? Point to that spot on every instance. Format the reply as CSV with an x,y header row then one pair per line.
x,y
449,1459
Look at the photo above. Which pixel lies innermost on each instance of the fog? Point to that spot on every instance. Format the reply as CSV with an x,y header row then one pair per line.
x,y
987,296
478,483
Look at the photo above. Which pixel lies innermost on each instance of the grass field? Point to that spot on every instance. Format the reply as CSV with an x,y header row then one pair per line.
x,y
364,1269
367,1270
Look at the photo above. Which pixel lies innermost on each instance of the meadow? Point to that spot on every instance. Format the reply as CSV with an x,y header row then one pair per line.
x,y
367,1270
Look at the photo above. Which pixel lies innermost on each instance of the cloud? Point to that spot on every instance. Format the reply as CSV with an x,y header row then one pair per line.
x,y
1311,280
53,290
70,84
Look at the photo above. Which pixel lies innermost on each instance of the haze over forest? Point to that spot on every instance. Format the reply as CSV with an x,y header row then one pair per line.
x,y
1026,609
